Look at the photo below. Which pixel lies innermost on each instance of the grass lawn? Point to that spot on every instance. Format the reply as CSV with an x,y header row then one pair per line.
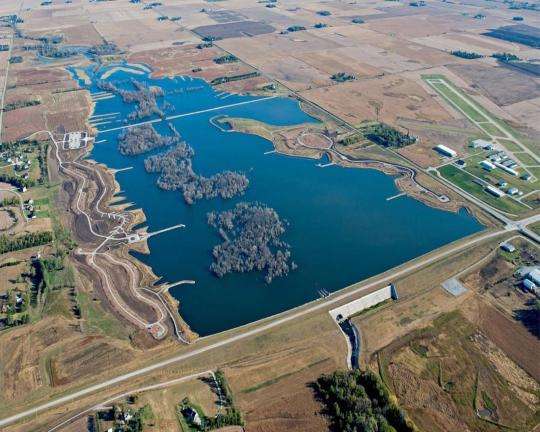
x,y
525,158
497,174
97,319
510,145
456,101
464,180
492,129
535,172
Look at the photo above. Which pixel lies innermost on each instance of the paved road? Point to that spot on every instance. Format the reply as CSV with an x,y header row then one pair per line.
x,y
275,321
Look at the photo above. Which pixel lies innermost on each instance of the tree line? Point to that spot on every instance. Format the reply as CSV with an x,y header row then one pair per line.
x,y
358,401
10,244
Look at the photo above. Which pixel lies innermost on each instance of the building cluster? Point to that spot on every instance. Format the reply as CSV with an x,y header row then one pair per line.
x,y
29,209
498,159
531,280
20,162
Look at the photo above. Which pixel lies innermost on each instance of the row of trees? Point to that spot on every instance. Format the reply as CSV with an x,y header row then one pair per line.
x,y
358,401
20,104
466,54
251,234
14,180
10,244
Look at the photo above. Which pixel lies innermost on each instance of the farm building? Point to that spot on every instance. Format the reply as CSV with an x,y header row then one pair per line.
x,y
446,151
508,247
507,169
529,285
487,165
534,275
513,191
480,143
494,191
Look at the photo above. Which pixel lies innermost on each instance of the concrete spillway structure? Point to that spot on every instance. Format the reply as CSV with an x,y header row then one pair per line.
x,y
342,313
365,302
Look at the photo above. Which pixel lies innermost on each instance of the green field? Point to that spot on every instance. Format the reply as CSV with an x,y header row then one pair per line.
x,y
525,158
98,320
464,180
473,167
448,94
491,129
510,145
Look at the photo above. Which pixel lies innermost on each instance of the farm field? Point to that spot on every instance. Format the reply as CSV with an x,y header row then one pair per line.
x,y
452,374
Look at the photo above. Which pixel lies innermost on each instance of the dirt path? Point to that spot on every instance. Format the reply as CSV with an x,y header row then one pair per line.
x,y
102,234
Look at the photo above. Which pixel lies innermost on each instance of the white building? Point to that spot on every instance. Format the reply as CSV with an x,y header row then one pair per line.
x,y
534,275
507,169
508,247
529,285
446,151
480,143
487,165
513,191
494,191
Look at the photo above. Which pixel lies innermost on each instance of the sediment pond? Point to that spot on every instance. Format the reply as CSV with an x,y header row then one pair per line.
x,y
341,227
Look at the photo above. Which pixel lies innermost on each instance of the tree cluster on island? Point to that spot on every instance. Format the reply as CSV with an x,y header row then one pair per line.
x,y
359,401
141,139
106,48
144,96
251,234
176,173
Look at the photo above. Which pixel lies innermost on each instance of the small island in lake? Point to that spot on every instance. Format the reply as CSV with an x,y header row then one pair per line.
x,y
141,139
251,234
143,95
176,173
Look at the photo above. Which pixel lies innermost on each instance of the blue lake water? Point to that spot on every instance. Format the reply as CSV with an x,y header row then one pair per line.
x,y
342,228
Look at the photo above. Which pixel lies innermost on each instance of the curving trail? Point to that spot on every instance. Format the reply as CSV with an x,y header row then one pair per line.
x,y
157,328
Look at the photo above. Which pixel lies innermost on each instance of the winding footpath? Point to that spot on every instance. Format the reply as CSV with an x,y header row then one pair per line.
x,y
157,328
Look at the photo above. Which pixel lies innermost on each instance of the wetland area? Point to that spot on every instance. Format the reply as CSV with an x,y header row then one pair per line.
x,y
340,226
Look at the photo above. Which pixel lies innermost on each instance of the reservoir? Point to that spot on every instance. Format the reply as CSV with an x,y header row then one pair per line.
x,y
341,227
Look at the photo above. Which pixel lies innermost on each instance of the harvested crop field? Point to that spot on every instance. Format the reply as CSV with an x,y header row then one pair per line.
x,y
397,98
449,375
272,387
512,337
502,85
189,60
233,30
